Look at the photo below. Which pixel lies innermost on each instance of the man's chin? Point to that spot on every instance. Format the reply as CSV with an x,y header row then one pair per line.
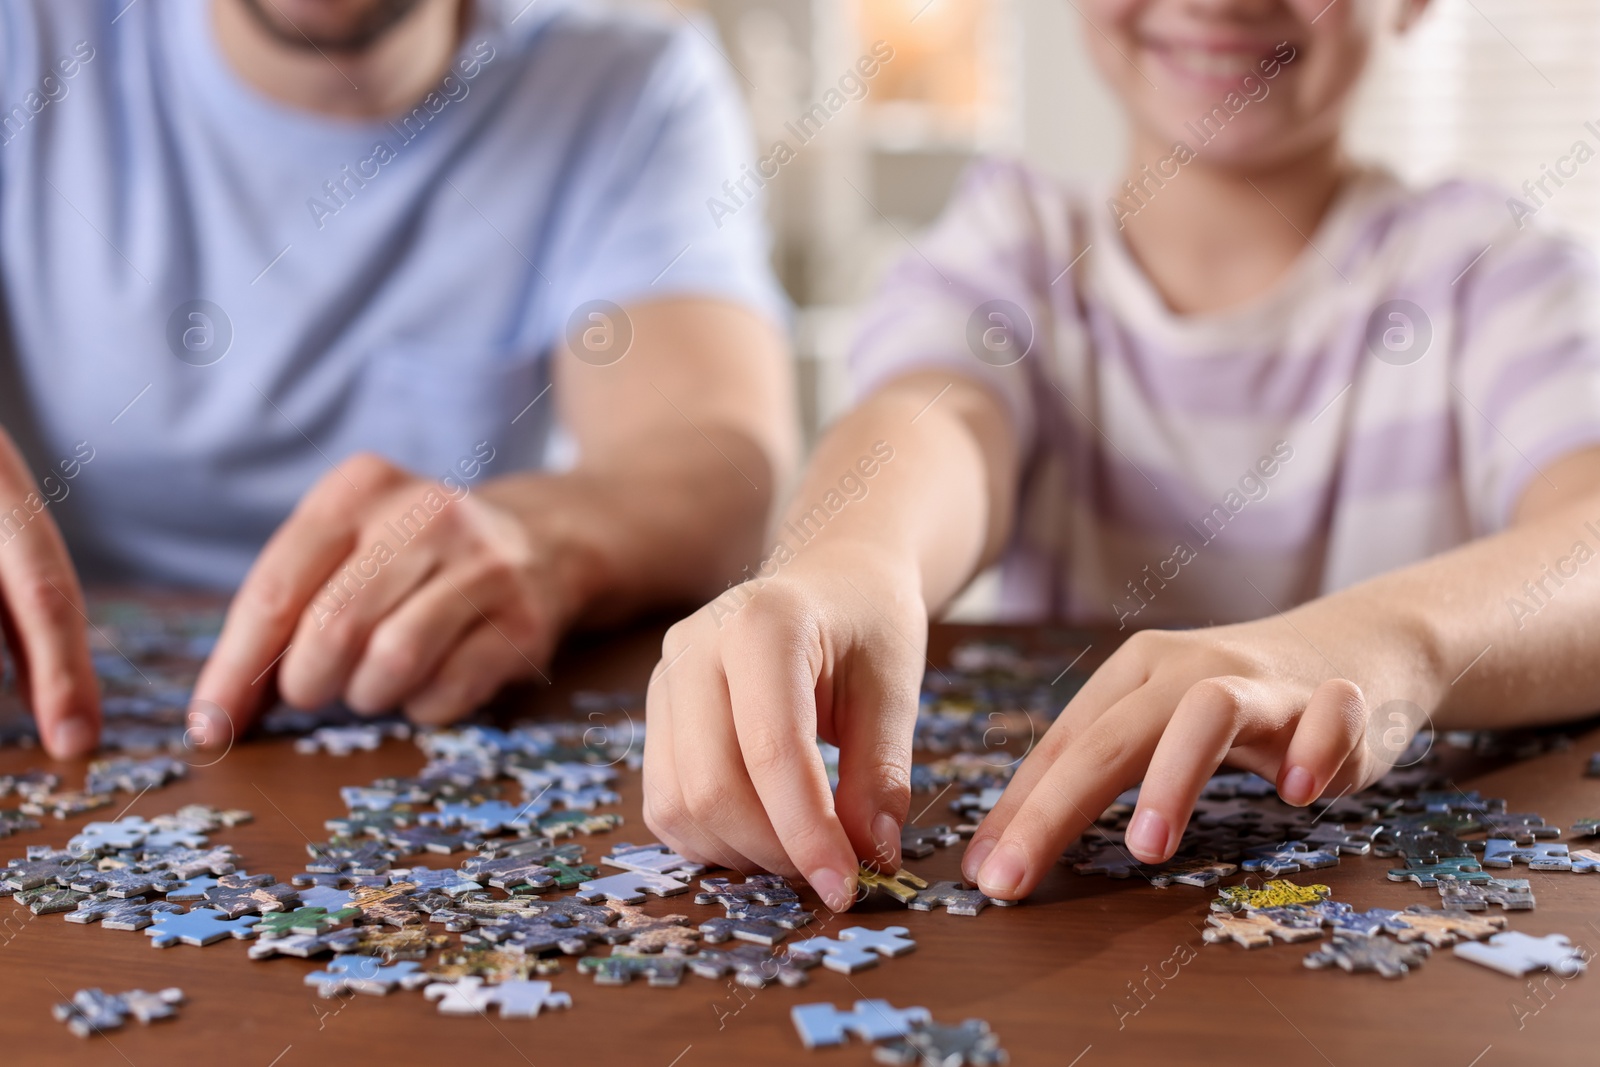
x,y
342,26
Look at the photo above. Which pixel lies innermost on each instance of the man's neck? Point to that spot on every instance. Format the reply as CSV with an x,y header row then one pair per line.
x,y
1212,239
386,78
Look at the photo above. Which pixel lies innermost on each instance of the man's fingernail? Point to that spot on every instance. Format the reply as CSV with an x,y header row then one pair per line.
x,y
1298,786
1002,872
206,725
1148,833
972,862
885,834
72,738
835,889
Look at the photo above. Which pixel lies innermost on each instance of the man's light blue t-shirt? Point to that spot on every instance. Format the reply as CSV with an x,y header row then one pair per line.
x,y
330,285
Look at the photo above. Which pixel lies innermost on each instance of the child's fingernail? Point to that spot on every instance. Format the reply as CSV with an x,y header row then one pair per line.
x,y
72,737
1298,786
1002,872
885,834
835,889
1148,833
977,852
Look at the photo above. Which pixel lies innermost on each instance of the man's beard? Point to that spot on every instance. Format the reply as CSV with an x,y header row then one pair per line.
x,y
381,17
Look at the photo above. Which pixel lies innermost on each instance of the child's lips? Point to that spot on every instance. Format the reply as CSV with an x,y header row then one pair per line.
x,y
1210,66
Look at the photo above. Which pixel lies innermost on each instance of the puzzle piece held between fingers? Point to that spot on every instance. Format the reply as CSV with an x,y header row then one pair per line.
x,y
902,884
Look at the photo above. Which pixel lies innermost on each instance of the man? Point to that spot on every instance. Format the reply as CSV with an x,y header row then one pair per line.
x,y
421,294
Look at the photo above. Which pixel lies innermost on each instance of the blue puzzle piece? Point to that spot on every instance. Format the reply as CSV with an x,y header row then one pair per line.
x,y
198,928
870,1020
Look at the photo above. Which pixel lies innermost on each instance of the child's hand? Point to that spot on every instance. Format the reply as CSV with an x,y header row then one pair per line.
x,y
1170,706
830,647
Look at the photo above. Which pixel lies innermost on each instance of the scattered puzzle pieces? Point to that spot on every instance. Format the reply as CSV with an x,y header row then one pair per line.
x,y
93,1011
1391,959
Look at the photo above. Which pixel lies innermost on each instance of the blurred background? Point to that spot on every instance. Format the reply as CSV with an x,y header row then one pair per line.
x,y
1499,89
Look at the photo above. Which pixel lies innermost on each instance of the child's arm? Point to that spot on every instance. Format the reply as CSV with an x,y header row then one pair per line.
x,y
1290,696
905,497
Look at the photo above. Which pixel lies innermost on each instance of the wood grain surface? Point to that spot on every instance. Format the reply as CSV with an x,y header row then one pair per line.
x,y
1048,976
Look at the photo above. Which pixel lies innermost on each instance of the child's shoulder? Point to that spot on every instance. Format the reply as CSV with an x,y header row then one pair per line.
x,y
1471,214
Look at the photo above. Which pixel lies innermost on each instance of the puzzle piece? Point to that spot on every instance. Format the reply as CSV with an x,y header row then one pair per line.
x,y
1585,861
821,1025
511,873
321,896
652,858
202,818
1512,894
586,799
752,966
486,817
537,849
1459,868
63,805
982,801
1446,927
123,882
901,884
1336,838
16,822
494,965
415,839
1516,953
1523,828
756,888
917,842
1199,871
187,862
545,934
647,934
115,913
239,894
1286,858
1539,856
363,974
309,920
566,823
345,939
630,887
1256,929
50,899
1276,893
372,822
1345,921
620,968
348,856
1586,828
855,949
346,740
971,1044
389,905
93,1011
198,928
41,866
404,943
429,880
758,931
516,999
132,831
954,898
1391,959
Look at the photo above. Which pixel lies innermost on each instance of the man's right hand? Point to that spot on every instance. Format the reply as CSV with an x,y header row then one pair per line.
x,y
41,606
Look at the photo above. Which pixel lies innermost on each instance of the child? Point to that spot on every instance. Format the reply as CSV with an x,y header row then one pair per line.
x,y
1349,428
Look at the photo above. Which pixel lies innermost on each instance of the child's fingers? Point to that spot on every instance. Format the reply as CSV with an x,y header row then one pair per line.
x,y
772,685
1332,727
717,792
1203,727
666,811
1118,677
874,729
1108,757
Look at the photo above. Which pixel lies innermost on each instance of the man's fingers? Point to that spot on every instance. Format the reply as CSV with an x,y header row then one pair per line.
x,y
1333,726
1102,762
772,686
1192,747
331,638
407,647
48,626
49,634
491,656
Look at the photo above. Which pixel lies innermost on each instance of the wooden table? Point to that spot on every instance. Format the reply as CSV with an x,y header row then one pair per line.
x,y
1048,976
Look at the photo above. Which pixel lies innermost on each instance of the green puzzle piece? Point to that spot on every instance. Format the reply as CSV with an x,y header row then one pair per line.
x,y
303,921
